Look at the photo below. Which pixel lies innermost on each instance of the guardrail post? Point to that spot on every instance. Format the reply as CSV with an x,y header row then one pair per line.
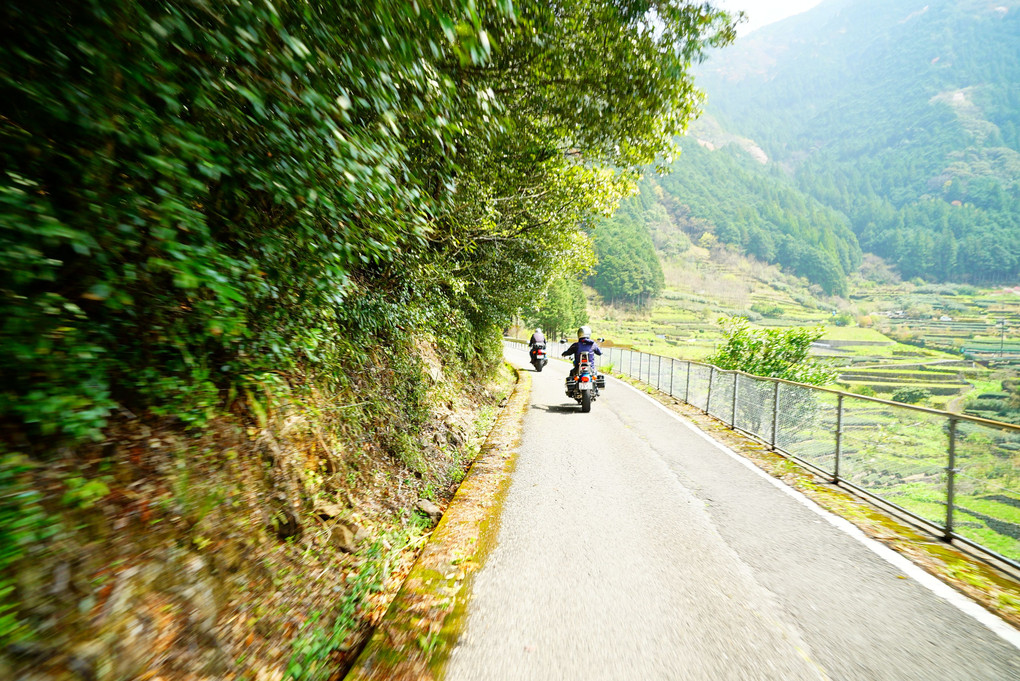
x,y
711,377
733,414
630,367
658,375
775,415
951,472
839,437
687,388
672,370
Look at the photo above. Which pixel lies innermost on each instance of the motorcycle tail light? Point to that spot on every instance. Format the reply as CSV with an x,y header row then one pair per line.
x,y
584,379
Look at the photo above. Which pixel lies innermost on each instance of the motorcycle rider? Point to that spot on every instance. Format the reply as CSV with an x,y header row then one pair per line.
x,y
583,345
537,341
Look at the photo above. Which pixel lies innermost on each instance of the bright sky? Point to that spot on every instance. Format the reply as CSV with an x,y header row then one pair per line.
x,y
762,12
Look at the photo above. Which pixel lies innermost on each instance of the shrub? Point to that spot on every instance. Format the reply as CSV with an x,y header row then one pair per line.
x,y
911,395
843,319
999,406
767,309
192,192
774,353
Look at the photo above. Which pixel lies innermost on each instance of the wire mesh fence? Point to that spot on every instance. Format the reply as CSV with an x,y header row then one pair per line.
x,y
957,473
721,395
897,454
986,499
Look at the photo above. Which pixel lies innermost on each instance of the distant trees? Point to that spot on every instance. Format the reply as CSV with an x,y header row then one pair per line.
x,y
628,269
921,161
734,202
911,395
562,310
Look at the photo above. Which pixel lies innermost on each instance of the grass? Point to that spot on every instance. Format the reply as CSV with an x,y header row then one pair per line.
x,y
855,333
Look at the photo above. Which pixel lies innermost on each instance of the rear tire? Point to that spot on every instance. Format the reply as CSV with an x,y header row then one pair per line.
x,y
538,366
585,401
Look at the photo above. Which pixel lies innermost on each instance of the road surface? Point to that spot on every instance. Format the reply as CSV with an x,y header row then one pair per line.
x,y
630,547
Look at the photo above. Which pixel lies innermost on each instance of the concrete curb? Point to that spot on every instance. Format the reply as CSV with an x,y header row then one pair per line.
x,y
421,626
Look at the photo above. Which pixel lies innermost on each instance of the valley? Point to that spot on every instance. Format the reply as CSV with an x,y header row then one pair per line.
x,y
889,338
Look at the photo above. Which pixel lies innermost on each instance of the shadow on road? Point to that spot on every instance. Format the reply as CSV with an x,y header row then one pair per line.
x,y
558,408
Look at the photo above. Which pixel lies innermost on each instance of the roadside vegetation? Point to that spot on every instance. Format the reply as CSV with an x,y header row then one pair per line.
x,y
254,262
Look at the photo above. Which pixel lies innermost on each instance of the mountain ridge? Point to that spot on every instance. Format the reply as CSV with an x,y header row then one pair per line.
x,y
902,117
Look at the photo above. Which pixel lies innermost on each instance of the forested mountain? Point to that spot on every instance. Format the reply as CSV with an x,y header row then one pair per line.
x,y
902,115
628,270
726,195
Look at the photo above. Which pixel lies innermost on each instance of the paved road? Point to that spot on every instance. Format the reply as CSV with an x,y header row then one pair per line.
x,y
631,548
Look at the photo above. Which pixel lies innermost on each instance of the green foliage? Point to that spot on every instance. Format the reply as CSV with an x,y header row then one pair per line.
x,y
563,310
843,319
311,656
724,197
911,395
23,523
905,122
628,270
195,193
773,353
865,390
84,493
767,309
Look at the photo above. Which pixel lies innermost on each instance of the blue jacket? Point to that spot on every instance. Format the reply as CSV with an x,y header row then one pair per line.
x,y
581,346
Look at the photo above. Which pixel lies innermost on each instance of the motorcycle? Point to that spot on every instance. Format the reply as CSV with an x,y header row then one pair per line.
x,y
538,356
584,386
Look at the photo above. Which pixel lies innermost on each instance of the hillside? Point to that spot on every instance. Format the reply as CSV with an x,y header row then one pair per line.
x,y
902,116
727,195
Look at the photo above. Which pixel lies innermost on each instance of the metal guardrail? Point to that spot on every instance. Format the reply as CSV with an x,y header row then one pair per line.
x,y
957,474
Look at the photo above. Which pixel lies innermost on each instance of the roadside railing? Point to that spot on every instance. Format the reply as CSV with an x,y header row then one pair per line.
x,y
957,474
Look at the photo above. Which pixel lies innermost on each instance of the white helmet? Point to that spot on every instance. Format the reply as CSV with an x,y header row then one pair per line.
x,y
538,330
584,332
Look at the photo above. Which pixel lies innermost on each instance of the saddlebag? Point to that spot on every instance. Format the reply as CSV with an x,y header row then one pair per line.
x,y
600,381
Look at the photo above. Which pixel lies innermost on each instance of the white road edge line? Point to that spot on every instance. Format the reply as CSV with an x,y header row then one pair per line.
x,y
947,593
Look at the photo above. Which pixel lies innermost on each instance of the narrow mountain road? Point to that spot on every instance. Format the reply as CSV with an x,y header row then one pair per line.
x,y
631,547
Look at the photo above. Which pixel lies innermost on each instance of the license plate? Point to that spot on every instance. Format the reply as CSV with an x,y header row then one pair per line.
x,y
585,386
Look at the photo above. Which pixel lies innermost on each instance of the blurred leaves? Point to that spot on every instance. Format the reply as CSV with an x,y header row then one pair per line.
x,y
774,353
195,191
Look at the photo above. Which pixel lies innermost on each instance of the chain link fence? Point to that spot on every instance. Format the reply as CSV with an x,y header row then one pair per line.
x,y
958,474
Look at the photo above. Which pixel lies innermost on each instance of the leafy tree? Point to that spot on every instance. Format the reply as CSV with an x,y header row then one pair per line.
x,y
628,269
193,193
772,353
563,309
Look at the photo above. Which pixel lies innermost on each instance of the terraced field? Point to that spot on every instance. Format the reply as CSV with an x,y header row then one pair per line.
x,y
912,336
